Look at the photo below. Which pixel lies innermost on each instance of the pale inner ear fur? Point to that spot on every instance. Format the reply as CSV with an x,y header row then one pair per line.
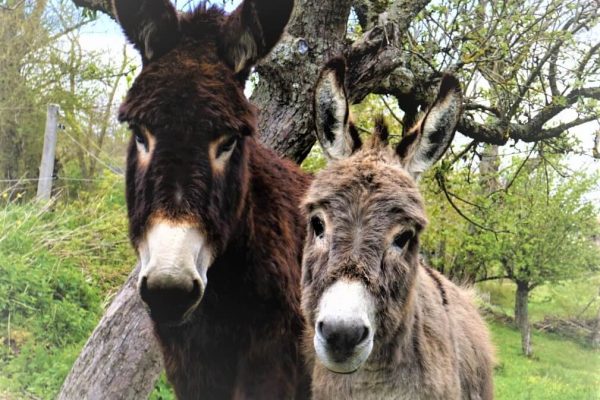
x,y
332,117
434,132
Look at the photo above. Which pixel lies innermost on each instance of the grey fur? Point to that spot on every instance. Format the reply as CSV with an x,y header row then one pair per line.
x,y
430,342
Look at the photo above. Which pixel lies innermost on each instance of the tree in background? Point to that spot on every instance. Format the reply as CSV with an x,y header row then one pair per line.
x,y
539,228
43,62
22,34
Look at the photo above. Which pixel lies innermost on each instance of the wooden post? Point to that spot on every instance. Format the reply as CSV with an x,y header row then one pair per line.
x,y
47,165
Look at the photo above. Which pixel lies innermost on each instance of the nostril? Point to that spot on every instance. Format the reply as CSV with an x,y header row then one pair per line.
x,y
197,290
365,334
144,289
170,300
342,336
320,328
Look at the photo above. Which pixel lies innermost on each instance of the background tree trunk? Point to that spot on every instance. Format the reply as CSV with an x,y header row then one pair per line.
x,y
595,338
122,359
522,316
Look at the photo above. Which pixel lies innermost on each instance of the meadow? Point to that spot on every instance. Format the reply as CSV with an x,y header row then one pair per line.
x,y
60,266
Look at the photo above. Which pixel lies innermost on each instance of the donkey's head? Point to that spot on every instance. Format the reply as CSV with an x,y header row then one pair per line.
x,y
365,214
187,160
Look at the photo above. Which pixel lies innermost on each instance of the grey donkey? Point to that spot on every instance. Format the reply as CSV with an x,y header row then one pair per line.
x,y
381,324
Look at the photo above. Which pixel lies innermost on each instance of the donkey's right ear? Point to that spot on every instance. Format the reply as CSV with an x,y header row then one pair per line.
x,y
151,25
336,134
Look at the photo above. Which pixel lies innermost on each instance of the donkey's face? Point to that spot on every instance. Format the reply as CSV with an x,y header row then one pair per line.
x,y
365,215
187,163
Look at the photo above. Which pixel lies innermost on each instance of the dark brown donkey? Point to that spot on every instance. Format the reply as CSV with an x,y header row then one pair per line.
x,y
380,324
213,215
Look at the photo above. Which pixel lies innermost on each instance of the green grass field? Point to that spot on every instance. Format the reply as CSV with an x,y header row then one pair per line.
x,y
560,369
59,268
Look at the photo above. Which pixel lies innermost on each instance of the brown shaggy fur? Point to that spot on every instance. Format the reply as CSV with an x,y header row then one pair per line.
x,y
430,342
243,340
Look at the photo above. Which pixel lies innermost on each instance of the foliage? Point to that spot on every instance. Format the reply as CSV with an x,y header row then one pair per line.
x,y
43,61
162,390
521,63
58,268
536,225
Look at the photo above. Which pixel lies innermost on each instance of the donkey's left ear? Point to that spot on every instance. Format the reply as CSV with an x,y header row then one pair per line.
x,y
336,134
252,30
151,25
427,142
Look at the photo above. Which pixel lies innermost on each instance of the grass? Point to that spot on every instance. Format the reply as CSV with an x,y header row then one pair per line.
x,y
562,299
559,369
59,268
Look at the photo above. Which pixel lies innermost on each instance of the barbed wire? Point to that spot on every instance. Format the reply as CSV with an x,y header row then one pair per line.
x,y
60,178
105,164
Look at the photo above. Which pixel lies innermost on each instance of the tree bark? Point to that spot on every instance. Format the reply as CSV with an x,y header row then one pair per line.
x,y
522,316
122,359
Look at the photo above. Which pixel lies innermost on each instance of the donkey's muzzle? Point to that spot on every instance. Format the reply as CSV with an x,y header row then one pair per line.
x,y
342,337
172,302
174,260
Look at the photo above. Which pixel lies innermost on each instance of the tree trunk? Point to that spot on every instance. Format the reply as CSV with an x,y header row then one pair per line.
x,y
595,338
522,316
122,359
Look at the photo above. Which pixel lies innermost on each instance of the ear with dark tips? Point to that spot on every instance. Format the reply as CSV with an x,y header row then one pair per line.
x,y
427,142
337,136
381,131
151,25
252,30
354,135
407,142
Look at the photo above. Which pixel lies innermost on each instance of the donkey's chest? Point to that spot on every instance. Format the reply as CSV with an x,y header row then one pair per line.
x,y
405,383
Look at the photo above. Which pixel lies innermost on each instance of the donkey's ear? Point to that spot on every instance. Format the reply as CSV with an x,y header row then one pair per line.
x,y
430,138
151,25
336,134
252,30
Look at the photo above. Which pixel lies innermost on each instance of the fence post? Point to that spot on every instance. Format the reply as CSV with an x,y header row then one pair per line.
x,y
44,188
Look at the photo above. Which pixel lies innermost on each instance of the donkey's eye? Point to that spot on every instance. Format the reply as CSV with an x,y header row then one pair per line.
x,y
317,226
401,240
141,140
226,146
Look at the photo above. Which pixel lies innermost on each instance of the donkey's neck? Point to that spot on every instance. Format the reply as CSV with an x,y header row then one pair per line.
x,y
266,248
401,345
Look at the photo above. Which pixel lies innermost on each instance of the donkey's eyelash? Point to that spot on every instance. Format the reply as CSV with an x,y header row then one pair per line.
x,y
227,145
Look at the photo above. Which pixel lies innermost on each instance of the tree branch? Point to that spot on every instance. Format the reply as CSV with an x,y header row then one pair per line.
x,y
499,133
104,6
490,278
477,106
378,53
586,58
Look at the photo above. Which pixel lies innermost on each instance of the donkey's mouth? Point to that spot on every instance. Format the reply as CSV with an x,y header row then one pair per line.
x,y
346,362
169,306
175,258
